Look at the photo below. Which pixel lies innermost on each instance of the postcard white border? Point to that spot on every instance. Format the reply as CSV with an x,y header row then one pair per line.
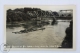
x,y
74,28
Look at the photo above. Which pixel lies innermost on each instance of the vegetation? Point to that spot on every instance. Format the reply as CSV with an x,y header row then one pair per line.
x,y
27,14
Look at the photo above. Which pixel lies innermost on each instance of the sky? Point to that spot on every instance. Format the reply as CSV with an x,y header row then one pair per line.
x,y
43,7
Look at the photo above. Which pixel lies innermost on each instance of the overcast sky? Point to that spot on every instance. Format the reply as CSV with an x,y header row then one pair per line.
x,y
43,7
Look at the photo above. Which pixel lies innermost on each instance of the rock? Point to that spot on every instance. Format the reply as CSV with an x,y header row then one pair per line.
x,y
68,40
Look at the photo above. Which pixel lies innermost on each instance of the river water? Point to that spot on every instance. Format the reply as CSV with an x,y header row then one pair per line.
x,y
53,35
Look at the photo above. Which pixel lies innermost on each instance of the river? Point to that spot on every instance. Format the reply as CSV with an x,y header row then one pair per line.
x,y
52,35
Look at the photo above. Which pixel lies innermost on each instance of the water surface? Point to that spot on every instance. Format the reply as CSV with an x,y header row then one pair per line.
x,y
52,35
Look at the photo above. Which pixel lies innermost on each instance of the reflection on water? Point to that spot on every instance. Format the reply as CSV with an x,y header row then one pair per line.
x,y
51,36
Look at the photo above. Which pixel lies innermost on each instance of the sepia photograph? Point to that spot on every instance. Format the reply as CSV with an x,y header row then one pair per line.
x,y
39,26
